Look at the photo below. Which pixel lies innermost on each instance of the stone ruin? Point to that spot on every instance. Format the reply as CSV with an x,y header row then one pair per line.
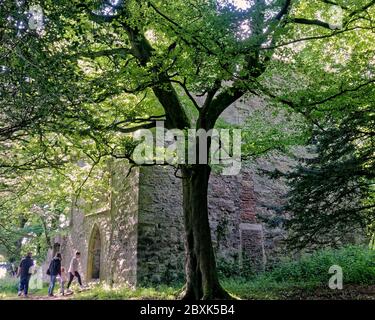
x,y
136,236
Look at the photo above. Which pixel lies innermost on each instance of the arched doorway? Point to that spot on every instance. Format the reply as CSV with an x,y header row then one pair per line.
x,y
94,255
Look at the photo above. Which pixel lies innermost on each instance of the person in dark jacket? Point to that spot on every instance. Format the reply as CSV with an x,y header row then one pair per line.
x,y
54,270
24,273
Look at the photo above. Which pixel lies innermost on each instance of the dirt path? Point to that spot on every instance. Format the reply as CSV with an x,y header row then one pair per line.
x,y
36,297
41,296
350,292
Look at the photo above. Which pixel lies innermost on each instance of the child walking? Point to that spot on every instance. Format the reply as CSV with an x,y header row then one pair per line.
x,y
63,280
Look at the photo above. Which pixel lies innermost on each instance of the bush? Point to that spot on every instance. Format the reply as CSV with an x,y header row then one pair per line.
x,y
8,285
357,263
309,273
228,269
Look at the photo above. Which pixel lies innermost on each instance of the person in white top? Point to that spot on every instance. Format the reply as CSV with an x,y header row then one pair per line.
x,y
73,270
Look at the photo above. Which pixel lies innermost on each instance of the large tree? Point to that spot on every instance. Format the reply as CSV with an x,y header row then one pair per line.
x,y
96,60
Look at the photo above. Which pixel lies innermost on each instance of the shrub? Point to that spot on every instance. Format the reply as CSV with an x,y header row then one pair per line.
x,y
231,269
357,263
8,285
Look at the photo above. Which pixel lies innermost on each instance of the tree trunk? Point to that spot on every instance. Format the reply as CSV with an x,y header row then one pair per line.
x,y
201,275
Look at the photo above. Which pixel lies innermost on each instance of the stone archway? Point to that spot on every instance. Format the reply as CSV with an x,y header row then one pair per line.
x,y
94,255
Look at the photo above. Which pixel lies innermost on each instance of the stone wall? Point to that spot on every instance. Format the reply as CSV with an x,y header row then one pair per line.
x,y
117,226
141,232
141,226
261,230
160,229
231,205
224,207
124,223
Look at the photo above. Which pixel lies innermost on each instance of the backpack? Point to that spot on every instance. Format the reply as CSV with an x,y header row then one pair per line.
x,y
48,270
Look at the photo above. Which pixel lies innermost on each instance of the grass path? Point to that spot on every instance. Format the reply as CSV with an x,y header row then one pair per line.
x,y
44,297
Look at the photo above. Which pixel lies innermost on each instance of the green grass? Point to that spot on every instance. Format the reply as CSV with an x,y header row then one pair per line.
x,y
304,278
357,263
239,288
308,275
261,288
103,292
9,288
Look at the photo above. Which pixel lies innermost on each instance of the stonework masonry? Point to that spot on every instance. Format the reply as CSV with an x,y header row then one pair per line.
x,y
136,236
141,233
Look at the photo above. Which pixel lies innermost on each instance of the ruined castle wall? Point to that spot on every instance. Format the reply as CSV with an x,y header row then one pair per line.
x,y
160,228
124,224
142,226
261,230
117,225
224,205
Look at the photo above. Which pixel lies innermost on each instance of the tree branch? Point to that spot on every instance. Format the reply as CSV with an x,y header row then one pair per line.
x,y
313,22
122,52
364,8
284,10
222,101
333,3
187,92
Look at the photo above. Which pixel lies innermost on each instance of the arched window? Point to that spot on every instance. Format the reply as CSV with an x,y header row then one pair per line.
x,y
94,254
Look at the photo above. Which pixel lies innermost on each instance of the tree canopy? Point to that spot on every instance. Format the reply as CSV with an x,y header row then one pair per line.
x,y
77,78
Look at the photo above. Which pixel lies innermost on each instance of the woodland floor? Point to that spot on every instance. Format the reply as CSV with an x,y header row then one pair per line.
x,y
352,292
349,293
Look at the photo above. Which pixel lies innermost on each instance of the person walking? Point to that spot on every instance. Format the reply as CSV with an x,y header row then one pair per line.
x,y
54,270
74,270
24,273
63,280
